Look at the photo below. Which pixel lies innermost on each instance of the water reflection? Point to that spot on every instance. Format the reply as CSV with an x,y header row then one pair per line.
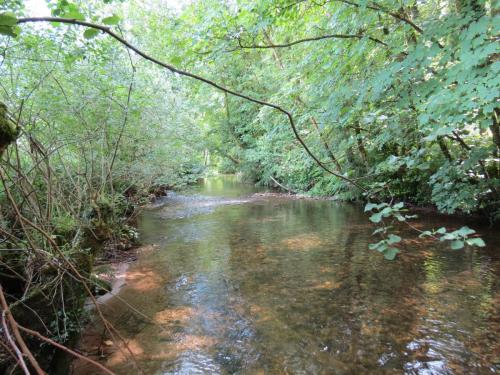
x,y
279,286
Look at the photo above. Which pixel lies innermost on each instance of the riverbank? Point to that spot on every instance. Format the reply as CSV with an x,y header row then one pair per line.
x,y
414,209
95,342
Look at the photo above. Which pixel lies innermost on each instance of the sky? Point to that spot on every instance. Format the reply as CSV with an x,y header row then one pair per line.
x,y
38,8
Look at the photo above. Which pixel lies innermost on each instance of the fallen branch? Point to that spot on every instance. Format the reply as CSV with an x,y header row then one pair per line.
x,y
282,186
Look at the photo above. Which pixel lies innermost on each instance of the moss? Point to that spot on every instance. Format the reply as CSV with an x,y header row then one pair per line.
x,y
8,131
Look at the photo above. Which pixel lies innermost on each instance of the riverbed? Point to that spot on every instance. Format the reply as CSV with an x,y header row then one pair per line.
x,y
235,282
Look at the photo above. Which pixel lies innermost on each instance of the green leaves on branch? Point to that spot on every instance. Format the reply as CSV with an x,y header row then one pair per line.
x,y
90,33
112,20
458,238
71,11
385,210
384,246
8,24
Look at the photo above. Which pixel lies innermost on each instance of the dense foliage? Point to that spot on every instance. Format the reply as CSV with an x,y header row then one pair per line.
x,y
403,96
400,99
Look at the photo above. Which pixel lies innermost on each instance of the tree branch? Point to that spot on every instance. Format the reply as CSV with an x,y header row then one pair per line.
x,y
17,335
392,14
313,39
64,348
181,72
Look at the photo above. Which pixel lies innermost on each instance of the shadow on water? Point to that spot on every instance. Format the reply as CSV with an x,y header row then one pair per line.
x,y
267,285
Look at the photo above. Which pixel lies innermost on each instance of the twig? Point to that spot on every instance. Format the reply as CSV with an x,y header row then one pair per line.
x,y
17,335
77,275
19,355
67,350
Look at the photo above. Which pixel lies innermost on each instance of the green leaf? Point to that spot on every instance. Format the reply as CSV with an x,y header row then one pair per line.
x,y
449,236
390,253
72,12
465,231
176,60
75,15
90,33
112,20
457,244
476,242
370,206
439,132
386,211
8,19
379,246
362,3
9,30
375,218
393,239
441,230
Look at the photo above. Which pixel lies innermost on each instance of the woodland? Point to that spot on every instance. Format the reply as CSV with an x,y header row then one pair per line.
x,y
105,104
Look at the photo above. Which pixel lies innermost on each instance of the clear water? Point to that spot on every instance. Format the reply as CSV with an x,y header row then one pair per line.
x,y
244,284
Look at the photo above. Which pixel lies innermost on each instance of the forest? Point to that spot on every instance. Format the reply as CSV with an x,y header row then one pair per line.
x,y
105,105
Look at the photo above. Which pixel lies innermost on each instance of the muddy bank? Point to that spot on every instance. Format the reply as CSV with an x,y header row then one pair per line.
x,y
96,342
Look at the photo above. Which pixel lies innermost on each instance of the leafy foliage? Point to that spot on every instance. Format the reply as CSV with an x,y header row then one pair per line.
x,y
399,97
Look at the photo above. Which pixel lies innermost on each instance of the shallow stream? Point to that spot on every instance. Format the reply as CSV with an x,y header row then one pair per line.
x,y
259,284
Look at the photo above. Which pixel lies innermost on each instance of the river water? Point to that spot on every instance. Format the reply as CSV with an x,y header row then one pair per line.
x,y
239,283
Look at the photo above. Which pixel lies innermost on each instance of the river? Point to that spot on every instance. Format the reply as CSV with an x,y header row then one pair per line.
x,y
239,283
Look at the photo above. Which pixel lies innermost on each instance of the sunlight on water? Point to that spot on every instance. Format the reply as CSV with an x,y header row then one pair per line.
x,y
256,285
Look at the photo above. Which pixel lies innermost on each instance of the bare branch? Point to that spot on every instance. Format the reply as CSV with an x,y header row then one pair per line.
x,y
17,335
67,350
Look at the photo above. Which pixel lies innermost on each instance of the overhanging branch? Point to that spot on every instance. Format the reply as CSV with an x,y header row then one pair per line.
x,y
313,39
181,72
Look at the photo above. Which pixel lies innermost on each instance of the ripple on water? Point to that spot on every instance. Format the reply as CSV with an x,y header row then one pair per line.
x,y
263,286
191,362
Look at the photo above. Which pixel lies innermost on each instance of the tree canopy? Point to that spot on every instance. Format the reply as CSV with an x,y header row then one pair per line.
x,y
104,103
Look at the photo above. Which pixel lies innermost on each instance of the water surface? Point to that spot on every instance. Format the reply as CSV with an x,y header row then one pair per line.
x,y
245,284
